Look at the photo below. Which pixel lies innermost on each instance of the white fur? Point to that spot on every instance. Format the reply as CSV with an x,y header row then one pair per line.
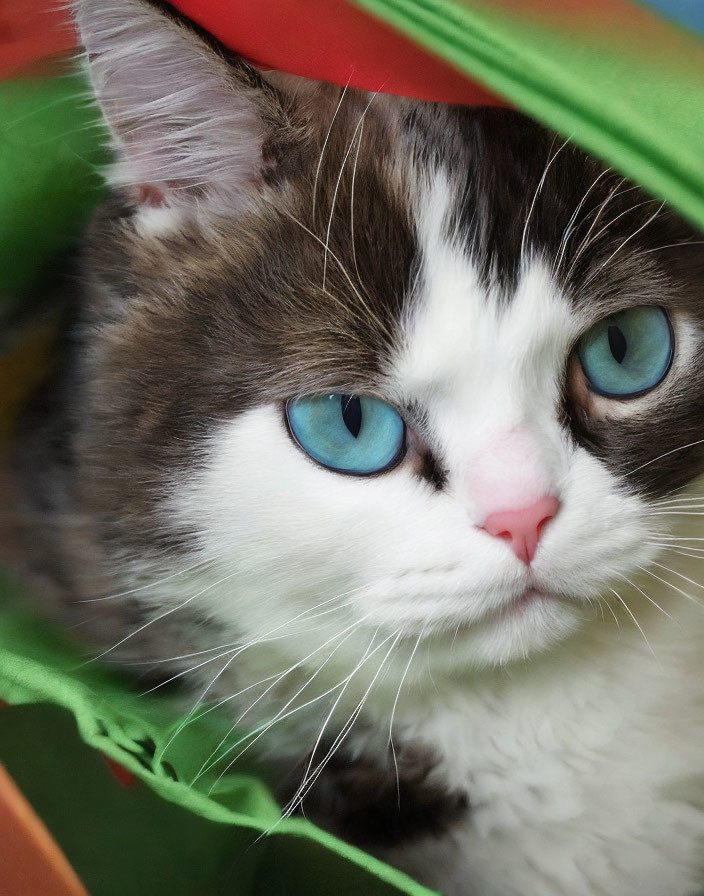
x,y
161,108
577,740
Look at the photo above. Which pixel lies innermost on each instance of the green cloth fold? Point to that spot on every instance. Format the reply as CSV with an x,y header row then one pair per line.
x,y
238,825
636,100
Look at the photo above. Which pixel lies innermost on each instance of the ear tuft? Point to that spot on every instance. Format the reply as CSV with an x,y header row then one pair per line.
x,y
188,125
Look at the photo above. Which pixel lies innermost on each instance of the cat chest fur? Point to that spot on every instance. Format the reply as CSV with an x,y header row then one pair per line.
x,y
553,782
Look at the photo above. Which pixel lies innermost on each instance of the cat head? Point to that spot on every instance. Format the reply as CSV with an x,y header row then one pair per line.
x,y
362,373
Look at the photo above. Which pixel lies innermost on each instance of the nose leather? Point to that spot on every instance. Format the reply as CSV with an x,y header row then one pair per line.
x,y
522,527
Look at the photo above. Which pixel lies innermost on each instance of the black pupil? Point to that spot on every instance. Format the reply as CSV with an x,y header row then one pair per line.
x,y
617,343
351,408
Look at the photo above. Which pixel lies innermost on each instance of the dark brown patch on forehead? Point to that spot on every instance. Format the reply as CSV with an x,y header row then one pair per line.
x,y
522,191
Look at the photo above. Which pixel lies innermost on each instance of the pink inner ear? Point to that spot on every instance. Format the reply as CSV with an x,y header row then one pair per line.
x,y
148,194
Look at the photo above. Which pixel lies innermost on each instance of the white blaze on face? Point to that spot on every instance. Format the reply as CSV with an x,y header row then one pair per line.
x,y
392,552
487,369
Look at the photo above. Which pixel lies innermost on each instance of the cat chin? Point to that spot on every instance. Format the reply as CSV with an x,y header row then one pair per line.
x,y
523,628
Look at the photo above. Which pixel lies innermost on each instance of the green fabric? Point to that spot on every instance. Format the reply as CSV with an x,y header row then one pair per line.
x,y
120,841
201,837
130,841
50,158
627,100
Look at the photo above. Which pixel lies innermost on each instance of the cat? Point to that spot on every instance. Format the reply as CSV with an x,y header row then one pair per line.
x,y
382,425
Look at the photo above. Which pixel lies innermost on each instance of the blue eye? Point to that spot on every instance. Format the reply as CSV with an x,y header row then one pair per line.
x,y
628,353
348,433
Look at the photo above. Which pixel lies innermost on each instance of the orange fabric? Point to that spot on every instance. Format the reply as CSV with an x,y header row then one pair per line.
x,y
31,864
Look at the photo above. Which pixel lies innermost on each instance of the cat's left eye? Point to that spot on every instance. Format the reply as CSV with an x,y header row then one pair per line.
x,y
629,353
353,434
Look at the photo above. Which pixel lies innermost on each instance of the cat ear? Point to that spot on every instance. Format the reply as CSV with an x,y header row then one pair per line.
x,y
189,126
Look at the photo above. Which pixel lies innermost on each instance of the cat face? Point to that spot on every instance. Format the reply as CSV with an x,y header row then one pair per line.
x,y
366,373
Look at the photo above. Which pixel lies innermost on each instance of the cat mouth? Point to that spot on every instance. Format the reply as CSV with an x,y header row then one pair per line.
x,y
527,599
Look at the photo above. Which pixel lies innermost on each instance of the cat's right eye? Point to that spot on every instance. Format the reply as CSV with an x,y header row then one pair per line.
x,y
628,353
353,434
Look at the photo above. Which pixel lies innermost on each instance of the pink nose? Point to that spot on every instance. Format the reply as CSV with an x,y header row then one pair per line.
x,y
523,527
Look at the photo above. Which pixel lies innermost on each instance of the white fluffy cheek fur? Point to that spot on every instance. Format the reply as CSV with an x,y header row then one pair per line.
x,y
388,551
330,566
599,535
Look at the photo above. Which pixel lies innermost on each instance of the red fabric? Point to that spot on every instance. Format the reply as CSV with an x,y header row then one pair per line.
x,y
32,31
328,40
123,775
331,40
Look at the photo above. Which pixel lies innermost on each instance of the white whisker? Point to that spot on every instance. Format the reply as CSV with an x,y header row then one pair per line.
x,y
646,596
668,536
322,151
627,609
349,630
373,317
611,610
619,248
672,510
201,564
567,232
332,709
684,553
337,186
306,786
393,713
671,585
354,175
665,454
618,217
160,617
253,643
586,241
536,194
693,551
678,574
280,716
670,246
